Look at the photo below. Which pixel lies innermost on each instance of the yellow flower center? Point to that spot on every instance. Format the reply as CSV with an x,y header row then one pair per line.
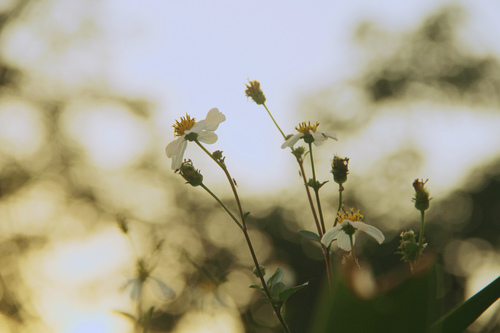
x,y
181,126
307,128
351,216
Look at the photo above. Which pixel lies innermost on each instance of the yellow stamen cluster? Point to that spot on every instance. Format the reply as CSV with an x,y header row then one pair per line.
x,y
351,216
307,128
181,126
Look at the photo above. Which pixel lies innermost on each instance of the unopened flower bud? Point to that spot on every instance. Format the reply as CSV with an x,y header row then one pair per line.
x,y
190,174
340,169
254,92
298,151
217,154
421,195
256,271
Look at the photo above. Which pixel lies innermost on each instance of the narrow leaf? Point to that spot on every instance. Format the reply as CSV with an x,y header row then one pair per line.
x,y
276,277
283,296
310,235
245,216
126,314
466,313
254,286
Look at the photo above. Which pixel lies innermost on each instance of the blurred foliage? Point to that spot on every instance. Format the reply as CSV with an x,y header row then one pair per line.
x,y
430,56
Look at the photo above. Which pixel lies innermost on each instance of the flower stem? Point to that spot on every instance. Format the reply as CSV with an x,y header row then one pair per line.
x,y
341,189
421,236
316,191
352,252
275,123
222,204
243,226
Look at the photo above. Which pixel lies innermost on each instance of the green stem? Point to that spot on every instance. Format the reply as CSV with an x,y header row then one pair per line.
x,y
309,197
341,189
243,227
316,191
352,252
223,205
275,123
422,227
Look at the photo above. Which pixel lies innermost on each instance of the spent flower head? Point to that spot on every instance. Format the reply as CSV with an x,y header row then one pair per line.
x,y
190,173
340,169
348,224
421,195
254,92
187,129
408,246
310,134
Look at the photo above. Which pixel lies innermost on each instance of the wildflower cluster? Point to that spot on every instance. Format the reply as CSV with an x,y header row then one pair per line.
x,y
342,229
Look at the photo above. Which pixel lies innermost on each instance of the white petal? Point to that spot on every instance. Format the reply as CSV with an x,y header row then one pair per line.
x,y
330,135
197,127
375,233
177,158
317,143
319,136
162,289
330,235
370,230
344,241
207,137
136,289
174,147
292,140
213,120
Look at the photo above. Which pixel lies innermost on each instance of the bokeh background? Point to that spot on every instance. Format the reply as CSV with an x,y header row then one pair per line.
x,y
89,91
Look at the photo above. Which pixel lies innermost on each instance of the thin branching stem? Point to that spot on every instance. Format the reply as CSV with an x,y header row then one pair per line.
x,y
316,190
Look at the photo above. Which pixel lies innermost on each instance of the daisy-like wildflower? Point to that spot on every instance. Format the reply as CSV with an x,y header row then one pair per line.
x,y
187,129
348,224
143,275
310,134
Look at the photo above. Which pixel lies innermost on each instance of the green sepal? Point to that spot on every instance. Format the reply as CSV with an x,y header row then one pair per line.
x,y
310,235
283,296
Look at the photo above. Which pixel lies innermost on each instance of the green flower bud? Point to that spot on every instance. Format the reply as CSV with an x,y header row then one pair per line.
x,y
190,174
256,271
254,92
421,195
340,169
298,151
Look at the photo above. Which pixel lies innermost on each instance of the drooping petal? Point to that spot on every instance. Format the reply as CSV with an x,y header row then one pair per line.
x,y
318,136
136,289
330,135
177,158
207,137
370,230
330,235
318,143
174,147
292,140
162,289
213,120
344,241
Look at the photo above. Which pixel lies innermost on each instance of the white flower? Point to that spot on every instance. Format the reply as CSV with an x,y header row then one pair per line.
x,y
205,133
161,289
343,231
142,276
306,130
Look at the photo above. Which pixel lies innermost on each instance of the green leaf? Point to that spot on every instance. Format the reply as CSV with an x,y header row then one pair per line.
x,y
276,277
310,235
277,288
409,307
126,314
283,296
245,216
254,286
458,319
